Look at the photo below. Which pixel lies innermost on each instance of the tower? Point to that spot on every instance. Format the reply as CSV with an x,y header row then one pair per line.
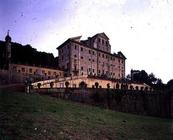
x,y
7,51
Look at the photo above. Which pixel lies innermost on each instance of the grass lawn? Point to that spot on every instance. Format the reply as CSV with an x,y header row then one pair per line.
x,y
35,117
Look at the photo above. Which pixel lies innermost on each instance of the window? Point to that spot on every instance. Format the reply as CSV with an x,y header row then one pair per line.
x,y
75,47
103,41
23,69
99,71
89,59
103,55
99,54
75,55
81,49
93,52
93,70
93,60
30,70
106,43
81,68
54,73
89,69
49,73
81,57
89,52
99,40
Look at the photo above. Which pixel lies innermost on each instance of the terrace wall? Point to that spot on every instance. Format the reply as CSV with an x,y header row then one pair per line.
x,y
154,103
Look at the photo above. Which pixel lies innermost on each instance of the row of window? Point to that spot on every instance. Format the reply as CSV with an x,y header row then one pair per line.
x,y
102,56
99,54
103,42
122,70
36,71
99,71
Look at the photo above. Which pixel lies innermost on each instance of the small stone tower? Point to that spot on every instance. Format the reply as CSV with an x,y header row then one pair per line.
x,y
7,51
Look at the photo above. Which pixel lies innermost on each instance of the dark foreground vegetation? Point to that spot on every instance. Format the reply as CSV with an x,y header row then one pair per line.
x,y
35,117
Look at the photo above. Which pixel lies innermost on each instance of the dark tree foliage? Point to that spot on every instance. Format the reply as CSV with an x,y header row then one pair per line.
x,y
2,50
25,54
169,84
67,84
149,79
96,84
142,76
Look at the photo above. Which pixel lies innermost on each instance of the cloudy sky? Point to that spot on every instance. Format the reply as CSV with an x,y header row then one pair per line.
x,y
141,29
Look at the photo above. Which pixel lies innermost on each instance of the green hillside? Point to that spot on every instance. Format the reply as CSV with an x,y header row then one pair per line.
x,y
35,117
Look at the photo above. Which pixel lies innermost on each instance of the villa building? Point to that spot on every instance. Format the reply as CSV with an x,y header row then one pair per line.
x,y
91,57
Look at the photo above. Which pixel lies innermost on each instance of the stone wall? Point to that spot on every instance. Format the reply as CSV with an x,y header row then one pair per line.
x,y
156,103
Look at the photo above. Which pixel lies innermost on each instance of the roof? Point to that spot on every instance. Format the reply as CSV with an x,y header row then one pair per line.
x,y
101,34
119,54
77,40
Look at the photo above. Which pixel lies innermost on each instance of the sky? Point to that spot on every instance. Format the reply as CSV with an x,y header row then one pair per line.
x,y
141,29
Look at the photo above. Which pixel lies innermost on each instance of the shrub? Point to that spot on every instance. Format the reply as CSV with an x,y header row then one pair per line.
x,y
67,84
108,85
39,85
82,84
96,84
51,84
131,87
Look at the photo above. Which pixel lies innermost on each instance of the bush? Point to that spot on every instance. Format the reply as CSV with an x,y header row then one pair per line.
x,y
96,84
108,85
51,84
67,84
39,85
82,84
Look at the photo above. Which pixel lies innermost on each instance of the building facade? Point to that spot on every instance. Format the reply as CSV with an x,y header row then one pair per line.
x,y
45,73
91,57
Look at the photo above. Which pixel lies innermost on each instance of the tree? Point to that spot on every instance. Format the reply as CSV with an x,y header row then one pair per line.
x,y
169,85
152,78
67,84
96,84
51,84
82,84
108,85
39,85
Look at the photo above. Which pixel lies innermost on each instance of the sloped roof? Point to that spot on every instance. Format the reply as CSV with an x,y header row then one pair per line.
x,y
101,34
